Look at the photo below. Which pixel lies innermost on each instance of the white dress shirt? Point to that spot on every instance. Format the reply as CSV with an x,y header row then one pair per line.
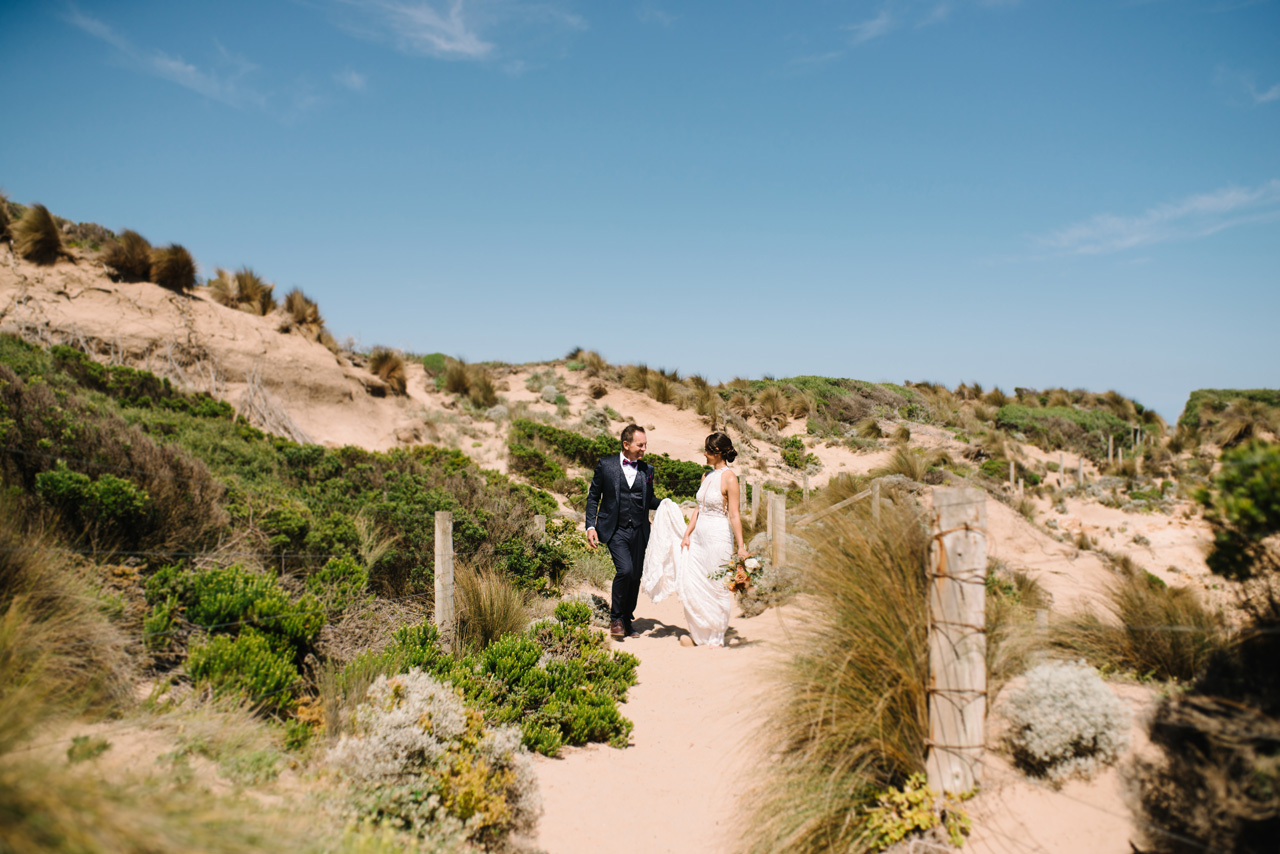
x,y
629,472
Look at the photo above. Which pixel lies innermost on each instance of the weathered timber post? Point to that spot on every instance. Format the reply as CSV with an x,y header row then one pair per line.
x,y
1062,468
768,515
1011,477
778,522
444,572
1111,441
540,527
742,496
1081,470
957,641
1137,463
875,502
806,489
755,502
1021,488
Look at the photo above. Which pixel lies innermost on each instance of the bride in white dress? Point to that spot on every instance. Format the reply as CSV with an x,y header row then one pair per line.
x,y
681,558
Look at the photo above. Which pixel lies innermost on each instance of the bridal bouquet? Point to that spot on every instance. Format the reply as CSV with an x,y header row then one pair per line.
x,y
739,574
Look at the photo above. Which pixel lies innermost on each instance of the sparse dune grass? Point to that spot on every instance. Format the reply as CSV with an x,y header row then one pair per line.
x,y
4,218
244,290
851,713
1151,630
489,606
636,377
129,258
388,366
457,380
36,236
661,389
595,363
173,267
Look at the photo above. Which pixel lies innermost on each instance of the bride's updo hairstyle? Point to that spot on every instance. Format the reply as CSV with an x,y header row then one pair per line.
x,y
722,446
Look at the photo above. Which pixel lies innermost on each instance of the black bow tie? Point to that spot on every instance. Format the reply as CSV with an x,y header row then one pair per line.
x,y
635,464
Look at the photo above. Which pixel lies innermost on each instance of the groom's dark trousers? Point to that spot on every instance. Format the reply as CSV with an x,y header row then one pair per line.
x,y
620,514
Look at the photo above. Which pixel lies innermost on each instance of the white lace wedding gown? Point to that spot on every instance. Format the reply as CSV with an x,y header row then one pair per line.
x,y
669,569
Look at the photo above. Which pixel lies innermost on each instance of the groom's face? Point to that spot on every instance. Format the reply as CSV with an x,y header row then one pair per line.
x,y
635,449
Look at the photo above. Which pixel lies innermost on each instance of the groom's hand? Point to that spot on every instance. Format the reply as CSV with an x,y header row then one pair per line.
x,y
592,539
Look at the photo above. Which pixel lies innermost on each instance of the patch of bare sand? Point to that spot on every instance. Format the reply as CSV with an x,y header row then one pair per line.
x,y
674,789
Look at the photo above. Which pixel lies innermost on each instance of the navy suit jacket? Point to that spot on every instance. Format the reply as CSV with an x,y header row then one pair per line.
x,y
606,487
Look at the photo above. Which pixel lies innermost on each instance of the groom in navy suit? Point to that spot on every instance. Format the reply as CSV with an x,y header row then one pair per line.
x,y
618,506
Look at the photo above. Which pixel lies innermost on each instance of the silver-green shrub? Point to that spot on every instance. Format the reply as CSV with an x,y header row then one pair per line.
x,y
549,393
422,761
1064,721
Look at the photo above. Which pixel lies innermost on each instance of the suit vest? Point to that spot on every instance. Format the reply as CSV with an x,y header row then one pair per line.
x,y
632,512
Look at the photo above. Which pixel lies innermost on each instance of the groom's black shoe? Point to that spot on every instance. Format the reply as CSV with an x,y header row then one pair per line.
x,y
616,630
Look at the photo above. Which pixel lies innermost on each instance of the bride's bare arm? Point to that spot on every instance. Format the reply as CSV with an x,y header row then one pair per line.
x,y
731,498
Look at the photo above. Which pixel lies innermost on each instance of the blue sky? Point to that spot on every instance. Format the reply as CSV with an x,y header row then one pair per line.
x,y
1035,193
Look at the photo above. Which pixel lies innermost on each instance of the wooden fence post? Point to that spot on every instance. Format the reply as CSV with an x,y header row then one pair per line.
x,y
755,502
875,502
1011,470
957,640
1111,440
540,527
742,496
1021,488
1062,468
806,489
778,524
768,515
1080,470
444,618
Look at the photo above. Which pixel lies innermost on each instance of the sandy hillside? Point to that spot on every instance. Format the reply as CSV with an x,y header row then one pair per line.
x,y
673,789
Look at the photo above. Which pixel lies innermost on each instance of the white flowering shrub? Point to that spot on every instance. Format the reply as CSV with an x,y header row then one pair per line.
x,y
1064,721
422,761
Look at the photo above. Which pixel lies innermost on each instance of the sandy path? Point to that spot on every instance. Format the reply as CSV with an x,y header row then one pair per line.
x,y
673,788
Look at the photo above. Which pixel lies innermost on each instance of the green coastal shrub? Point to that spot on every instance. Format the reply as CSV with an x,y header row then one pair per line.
x,y
1054,428
112,506
248,665
557,682
795,455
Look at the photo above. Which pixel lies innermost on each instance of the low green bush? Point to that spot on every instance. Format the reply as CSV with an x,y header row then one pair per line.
x,y
557,682
110,506
248,665
1056,427
794,453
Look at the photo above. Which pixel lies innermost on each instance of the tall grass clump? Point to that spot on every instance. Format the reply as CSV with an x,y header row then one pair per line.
x,y
661,388
244,290
457,379
852,713
1147,628
173,267
4,219
388,366
36,236
595,363
129,258
489,606
636,377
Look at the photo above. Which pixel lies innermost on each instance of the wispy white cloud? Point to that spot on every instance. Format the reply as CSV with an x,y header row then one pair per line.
x,y
872,28
651,14
1266,96
443,31
228,84
352,80
936,15
1187,219
452,29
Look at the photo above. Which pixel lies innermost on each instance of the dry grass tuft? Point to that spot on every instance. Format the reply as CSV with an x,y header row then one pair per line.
x,y
489,606
1243,420
596,365
4,218
173,267
129,258
902,434
636,377
1149,629
36,236
661,388
244,290
869,428
388,365
905,462
772,407
598,390
482,392
457,379
851,713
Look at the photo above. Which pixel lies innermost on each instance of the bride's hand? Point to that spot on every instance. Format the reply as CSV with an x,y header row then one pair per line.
x,y
684,544
743,553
